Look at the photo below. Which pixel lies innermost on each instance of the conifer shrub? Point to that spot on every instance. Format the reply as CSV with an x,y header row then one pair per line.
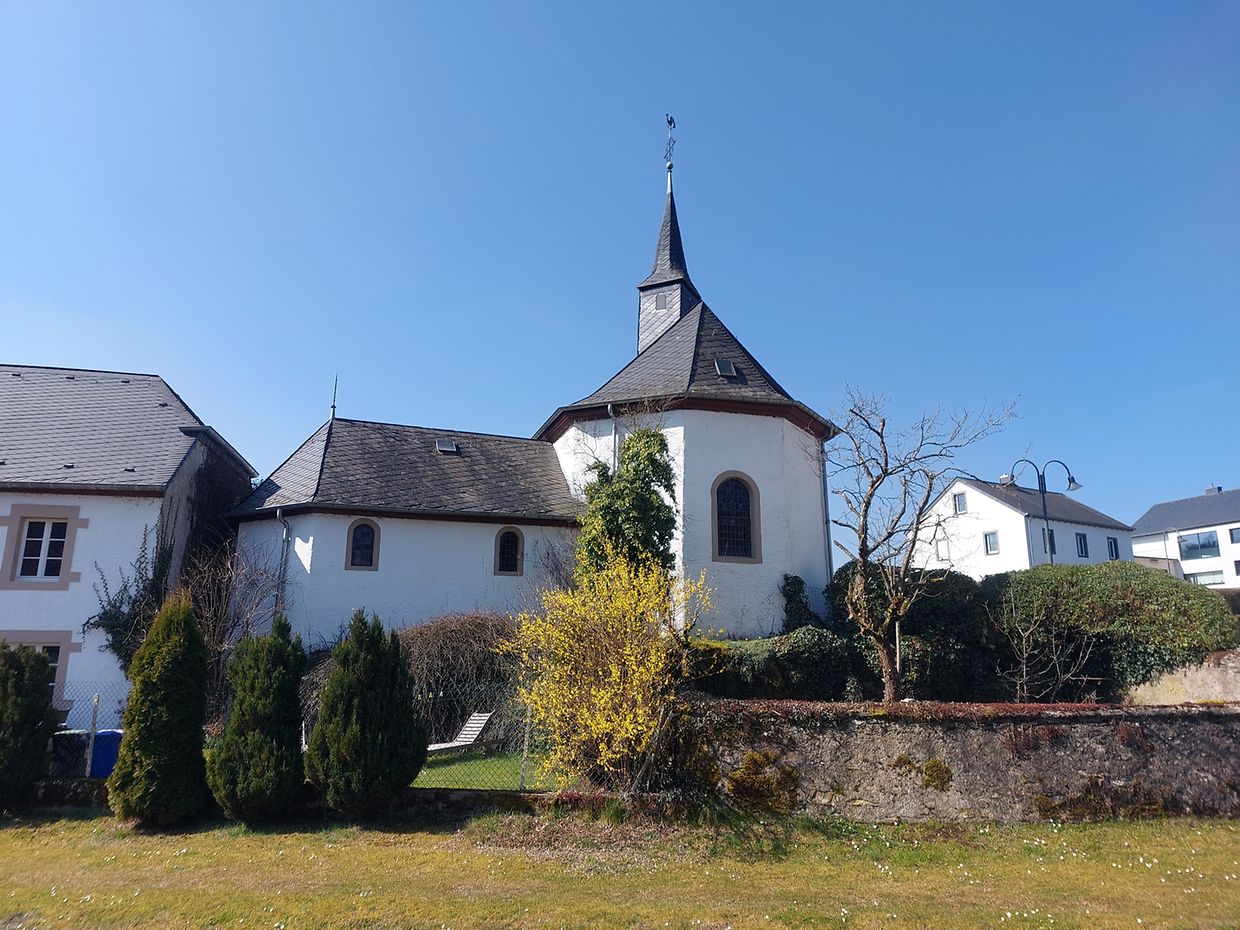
x,y
26,720
160,775
369,740
255,770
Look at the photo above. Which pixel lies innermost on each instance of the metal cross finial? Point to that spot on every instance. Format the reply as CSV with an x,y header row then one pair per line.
x,y
335,382
671,140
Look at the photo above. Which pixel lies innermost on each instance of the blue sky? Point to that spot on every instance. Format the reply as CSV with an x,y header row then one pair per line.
x,y
449,206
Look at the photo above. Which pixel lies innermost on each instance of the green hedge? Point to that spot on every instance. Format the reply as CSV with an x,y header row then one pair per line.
x,y
1140,622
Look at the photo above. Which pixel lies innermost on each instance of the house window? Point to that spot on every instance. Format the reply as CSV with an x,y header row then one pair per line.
x,y
38,552
43,548
1082,546
1198,546
735,519
1054,551
1235,535
960,503
1205,578
660,301
1113,548
363,551
992,543
509,551
56,645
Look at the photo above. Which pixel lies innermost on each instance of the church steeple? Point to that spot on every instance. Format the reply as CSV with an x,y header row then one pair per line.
x,y
667,294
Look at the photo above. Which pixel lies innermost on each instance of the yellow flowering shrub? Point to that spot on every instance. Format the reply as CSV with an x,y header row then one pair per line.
x,y
601,662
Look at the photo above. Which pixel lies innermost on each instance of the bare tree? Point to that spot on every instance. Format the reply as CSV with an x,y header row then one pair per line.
x,y
232,596
1047,656
887,479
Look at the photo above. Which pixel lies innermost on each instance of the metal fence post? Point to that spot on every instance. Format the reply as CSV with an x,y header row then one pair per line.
x,y
525,751
90,740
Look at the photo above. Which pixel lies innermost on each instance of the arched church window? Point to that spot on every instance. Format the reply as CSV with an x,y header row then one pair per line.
x,y
735,519
363,552
509,551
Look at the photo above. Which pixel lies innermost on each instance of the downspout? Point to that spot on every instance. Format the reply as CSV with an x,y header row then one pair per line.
x,y
826,511
612,413
284,542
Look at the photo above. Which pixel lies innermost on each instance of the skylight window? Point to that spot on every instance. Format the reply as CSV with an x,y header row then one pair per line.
x,y
447,446
725,368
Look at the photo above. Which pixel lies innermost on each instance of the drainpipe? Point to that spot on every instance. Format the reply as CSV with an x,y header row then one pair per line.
x,y
284,542
612,413
826,512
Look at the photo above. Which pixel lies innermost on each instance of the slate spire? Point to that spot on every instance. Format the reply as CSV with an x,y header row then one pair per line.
x,y
667,294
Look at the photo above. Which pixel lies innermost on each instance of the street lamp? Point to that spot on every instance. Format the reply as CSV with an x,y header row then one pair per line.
x,y
1009,480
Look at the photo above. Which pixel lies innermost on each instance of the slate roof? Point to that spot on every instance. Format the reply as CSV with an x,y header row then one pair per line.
x,y
681,364
669,253
1191,513
357,465
1059,507
102,430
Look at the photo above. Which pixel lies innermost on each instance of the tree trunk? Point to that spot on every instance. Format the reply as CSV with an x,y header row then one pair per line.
x,y
887,661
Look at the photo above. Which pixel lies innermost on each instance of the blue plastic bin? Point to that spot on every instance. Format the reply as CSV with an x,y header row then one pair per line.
x,y
107,747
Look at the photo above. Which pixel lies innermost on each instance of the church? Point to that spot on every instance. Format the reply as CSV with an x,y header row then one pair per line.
x,y
413,523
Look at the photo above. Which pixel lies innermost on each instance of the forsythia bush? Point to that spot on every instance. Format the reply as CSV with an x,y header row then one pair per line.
x,y
601,662
160,776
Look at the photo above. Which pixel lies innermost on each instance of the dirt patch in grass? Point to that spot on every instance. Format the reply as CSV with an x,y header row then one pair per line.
x,y
589,844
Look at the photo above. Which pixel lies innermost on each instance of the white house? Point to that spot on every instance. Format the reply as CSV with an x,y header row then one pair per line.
x,y
413,522
90,461
982,528
1197,538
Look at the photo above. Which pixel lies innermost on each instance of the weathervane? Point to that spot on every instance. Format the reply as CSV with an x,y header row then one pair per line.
x,y
671,140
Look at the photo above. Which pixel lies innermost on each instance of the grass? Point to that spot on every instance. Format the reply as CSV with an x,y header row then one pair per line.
x,y
510,871
480,770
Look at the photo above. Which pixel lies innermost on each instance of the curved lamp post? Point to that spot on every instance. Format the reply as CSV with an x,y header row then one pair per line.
x,y
1009,480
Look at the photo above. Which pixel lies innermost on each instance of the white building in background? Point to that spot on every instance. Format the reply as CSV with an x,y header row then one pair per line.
x,y
91,463
1197,538
413,523
981,528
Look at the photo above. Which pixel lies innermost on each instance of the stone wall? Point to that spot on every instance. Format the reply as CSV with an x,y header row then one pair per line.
x,y
1215,679
927,761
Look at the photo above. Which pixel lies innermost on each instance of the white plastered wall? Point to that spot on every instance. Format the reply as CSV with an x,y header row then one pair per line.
x,y
426,568
1167,546
110,541
783,463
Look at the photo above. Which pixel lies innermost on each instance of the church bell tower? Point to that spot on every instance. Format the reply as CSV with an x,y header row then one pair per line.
x,y
667,294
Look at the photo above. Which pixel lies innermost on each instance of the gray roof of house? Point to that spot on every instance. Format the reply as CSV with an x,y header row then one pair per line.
x,y
681,364
1059,507
363,466
1190,513
77,429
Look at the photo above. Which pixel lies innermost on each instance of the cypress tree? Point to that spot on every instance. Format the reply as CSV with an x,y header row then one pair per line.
x,y
160,776
26,720
369,741
255,770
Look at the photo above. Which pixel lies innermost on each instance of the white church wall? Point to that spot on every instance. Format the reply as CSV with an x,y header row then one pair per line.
x,y
782,461
426,568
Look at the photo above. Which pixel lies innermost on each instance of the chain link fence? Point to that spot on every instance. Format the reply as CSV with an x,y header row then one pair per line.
x,y
481,738
87,743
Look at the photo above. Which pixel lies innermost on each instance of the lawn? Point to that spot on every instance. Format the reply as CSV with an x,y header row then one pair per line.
x,y
482,770
524,871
